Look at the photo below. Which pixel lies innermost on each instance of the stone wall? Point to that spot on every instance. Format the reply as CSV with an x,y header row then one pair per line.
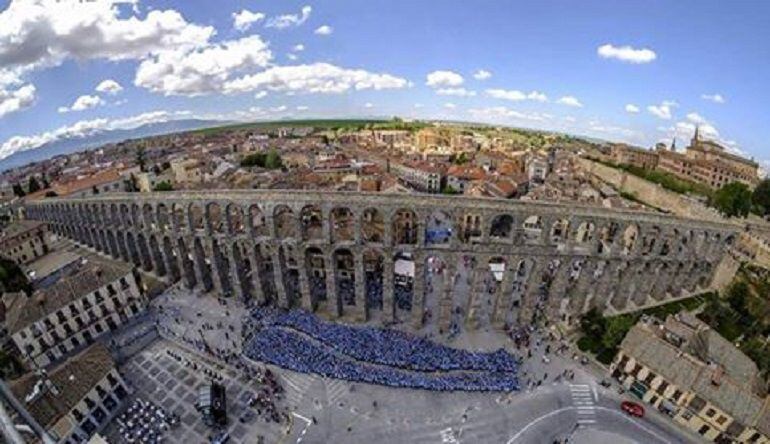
x,y
454,261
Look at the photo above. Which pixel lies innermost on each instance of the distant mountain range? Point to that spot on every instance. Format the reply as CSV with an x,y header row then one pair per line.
x,y
75,144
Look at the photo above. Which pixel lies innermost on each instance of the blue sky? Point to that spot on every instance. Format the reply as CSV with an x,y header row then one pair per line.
x,y
638,72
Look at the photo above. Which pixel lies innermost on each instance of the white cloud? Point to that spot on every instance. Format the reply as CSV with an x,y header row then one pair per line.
x,y
315,78
482,74
297,48
43,33
289,20
83,103
663,110
324,30
84,128
260,95
460,92
203,70
570,101
501,114
13,100
626,53
419,105
243,20
291,56
516,96
109,86
695,118
450,105
302,108
716,98
368,105
632,109
443,79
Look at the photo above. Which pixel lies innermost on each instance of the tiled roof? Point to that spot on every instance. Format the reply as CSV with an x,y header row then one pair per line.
x,y
99,178
19,227
96,273
73,379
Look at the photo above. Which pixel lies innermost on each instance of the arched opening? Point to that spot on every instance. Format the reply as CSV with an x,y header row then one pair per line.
x,y
404,227
132,250
649,240
345,279
222,267
160,268
136,216
235,220
214,217
196,217
263,255
403,284
289,275
144,252
125,216
285,225
311,221
533,228
373,275
342,225
438,228
471,231
560,231
187,264
630,236
243,269
462,289
585,232
257,222
204,265
171,256
163,217
180,219
501,227
434,289
316,274
148,217
372,226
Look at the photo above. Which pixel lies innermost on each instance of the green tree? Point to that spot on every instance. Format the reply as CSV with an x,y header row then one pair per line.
x,y
733,199
761,196
34,185
593,323
273,160
616,329
163,186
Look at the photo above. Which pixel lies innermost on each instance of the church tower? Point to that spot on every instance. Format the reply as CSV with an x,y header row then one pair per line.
x,y
696,136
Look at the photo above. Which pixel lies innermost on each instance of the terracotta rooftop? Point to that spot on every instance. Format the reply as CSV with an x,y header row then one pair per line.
x,y
102,177
73,379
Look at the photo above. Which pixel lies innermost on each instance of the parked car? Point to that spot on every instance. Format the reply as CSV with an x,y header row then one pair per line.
x,y
632,408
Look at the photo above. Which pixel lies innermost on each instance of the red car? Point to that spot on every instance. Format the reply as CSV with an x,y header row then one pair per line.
x,y
632,408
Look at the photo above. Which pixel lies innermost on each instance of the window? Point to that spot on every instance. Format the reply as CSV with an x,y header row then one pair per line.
x,y
704,429
99,328
721,419
711,412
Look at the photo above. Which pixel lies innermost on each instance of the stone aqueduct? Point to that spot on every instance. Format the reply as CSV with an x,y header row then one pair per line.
x,y
364,256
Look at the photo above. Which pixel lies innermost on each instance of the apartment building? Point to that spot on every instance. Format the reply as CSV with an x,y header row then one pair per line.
x,y
687,370
422,176
24,241
96,298
77,398
621,153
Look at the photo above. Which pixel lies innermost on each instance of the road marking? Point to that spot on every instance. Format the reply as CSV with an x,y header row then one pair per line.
x,y
596,393
627,418
546,416
307,426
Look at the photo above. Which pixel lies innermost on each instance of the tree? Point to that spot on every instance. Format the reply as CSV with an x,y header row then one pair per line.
x,y
761,197
18,190
273,160
140,158
733,199
593,323
33,184
163,186
616,329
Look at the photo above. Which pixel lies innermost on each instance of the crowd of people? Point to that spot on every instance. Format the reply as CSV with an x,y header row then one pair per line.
x,y
144,422
300,341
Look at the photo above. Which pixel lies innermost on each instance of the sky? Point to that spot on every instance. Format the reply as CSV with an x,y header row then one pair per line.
x,y
634,71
